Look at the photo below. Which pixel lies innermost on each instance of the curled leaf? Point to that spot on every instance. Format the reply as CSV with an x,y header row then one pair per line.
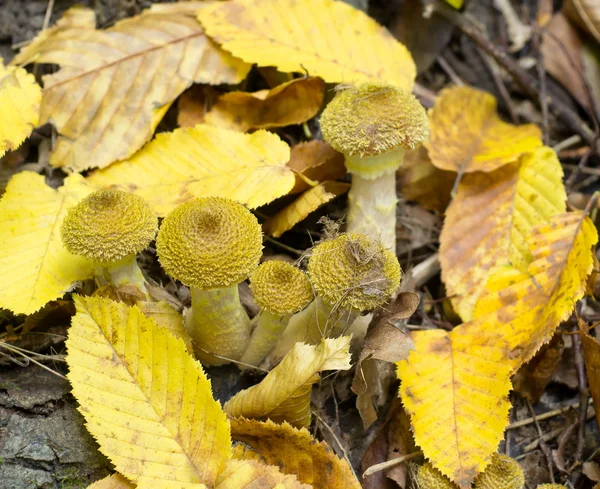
x,y
317,161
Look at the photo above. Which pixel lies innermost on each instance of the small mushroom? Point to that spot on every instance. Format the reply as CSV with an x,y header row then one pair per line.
x,y
110,227
503,472
428,477
280,289
373,124
211,245
350,274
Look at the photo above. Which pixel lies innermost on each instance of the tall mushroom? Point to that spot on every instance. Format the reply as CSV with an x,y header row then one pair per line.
x,y
110,227
280,289
212,244
373,124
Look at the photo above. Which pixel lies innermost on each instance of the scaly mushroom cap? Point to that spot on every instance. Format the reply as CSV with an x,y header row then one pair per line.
x,y
428,477
109,225
209,243
373,118
558,486
354,272
502,473
280,288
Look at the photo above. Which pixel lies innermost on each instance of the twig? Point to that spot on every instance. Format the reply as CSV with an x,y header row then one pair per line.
x,y
450,71
543,96
492,67
541,417
580,167
391,463
543,446
336,440
583,400
284,246
567,143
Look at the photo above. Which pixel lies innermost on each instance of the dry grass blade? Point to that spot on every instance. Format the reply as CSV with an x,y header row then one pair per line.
x,y
116,84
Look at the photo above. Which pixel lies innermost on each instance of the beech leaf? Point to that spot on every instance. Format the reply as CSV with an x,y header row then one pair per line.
x,y
115,481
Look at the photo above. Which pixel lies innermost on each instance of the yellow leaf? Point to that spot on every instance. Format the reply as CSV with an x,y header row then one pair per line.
x,y
250,474
455,385
293,102
115,481
20,98
145,400
487,223
317,161
327,38
116,84
284,394
421,181
455,3
296,452
35,268
204,161
167,317
467,135
298,210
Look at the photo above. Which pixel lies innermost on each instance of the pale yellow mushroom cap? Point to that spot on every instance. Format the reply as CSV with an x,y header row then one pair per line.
x,y
428,477
558,486
209,243
502,473
354,272
109,225
280,287
374,118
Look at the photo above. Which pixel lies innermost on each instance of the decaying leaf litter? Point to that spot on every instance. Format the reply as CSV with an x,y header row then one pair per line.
x,y
239,183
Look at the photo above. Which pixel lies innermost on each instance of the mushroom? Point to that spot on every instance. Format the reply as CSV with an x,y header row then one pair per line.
x,y
212,244
373,124
350,274
110,227
503,472
280,289
428,477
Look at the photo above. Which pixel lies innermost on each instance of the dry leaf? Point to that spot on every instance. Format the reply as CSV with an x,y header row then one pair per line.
x,y
194,104
20,98
591,355
115,481
467,135
204,161
311,36
35,267
293,102
306,203
295,452
284,394
455,385
116,84
166,316
250,474
586,13
317,161
487,223
145,400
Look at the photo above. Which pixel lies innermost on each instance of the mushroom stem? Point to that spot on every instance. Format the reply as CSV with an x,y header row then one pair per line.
x,y
218,323
121,272
372,208
268,329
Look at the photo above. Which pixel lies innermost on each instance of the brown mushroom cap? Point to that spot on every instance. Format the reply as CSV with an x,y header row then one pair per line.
x,y
354,272
210,243
374,118
109,225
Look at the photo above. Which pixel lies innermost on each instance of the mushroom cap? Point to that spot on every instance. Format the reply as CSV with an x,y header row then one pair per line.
x,y
209,243
557,486
280,287
354,272
109,225
374,118
503,472
428,477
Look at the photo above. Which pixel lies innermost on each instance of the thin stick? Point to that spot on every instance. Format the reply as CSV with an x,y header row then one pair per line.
x,y
337,441
391,463
541,417
543,446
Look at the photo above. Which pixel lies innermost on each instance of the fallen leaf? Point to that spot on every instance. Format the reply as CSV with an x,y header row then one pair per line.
x,y
586,13
194,104
421,181
117,84
591,356
204,161
35,267
307,36
487,224
145,400
250,474
317,161
455,384
295,452
468,136
291,103
115,481
591,470
284,394
305,204
166,316
20,98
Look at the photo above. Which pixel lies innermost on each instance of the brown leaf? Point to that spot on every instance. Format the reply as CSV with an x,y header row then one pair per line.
x,y
586,13
591,355
317,161
195,103
293,102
